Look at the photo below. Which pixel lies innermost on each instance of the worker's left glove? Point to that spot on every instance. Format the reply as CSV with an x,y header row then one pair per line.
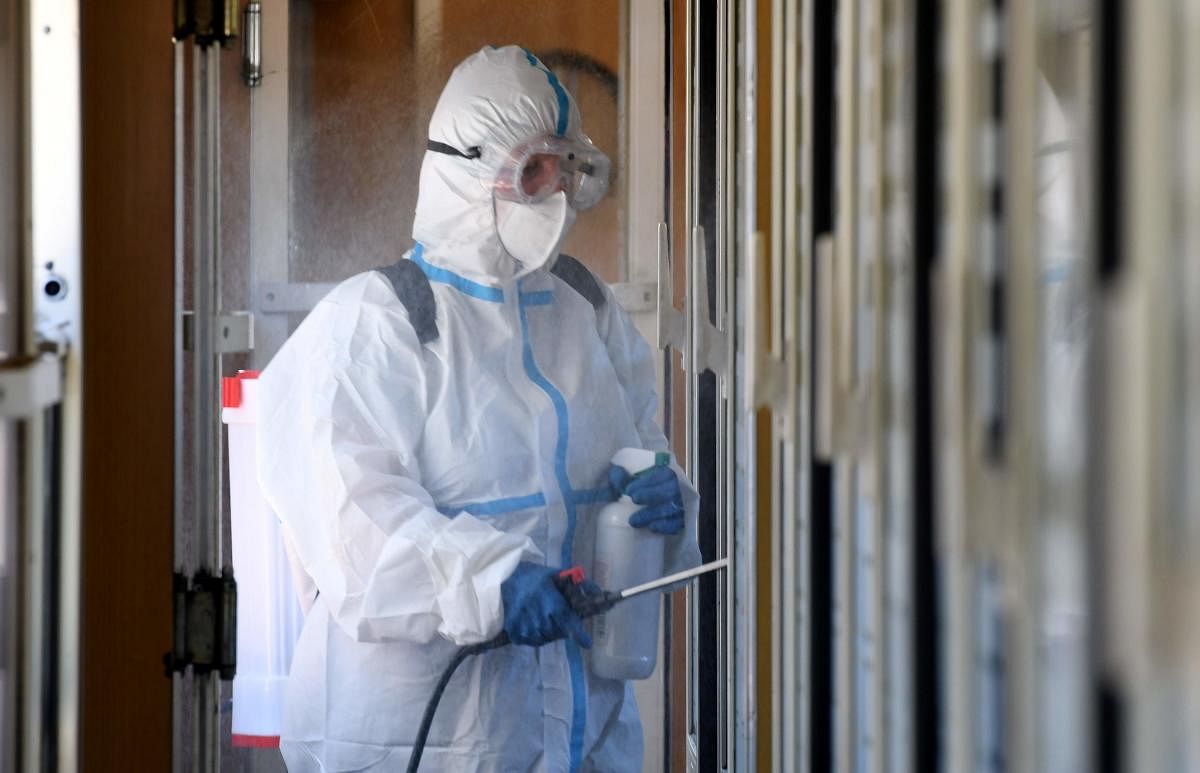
x,y
658,490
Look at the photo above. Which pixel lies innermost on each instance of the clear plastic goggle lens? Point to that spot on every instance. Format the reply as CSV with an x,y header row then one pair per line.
x,y
544,166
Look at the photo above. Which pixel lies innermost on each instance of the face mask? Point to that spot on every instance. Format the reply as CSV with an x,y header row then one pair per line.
x,y
532,233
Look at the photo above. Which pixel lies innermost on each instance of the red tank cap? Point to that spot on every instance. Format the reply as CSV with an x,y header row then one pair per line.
x,y
231,388
256,741
574,574
231,392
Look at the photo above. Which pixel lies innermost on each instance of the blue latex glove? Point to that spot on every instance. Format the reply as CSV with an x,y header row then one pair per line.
x,y
535,611
658,489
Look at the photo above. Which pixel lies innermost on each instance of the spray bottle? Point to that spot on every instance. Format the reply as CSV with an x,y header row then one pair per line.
x,y
625,638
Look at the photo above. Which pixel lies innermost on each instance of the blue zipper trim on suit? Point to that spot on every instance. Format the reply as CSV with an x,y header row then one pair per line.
x,y
564,107
574,658
496,506
579,695
460,283
539,298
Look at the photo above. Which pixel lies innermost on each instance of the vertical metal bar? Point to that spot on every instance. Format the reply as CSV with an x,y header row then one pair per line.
x,y
725,243
728,241
14,325
206,476
791,437
745,523
54,178
182,561
196,518
800,359
16,321
1187,506
1147,541
962,516
875,292
846,473
780,695
895,321
11,673
691,9
53,211
27,726
1016,79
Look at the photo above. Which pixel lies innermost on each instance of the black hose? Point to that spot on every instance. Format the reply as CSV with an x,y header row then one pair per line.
x,y
584,605
418,748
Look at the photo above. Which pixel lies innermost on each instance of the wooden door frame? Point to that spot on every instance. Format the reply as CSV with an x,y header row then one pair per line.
x,y
127,191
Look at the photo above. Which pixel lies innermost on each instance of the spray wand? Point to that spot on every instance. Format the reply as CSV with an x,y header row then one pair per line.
x,y
570,584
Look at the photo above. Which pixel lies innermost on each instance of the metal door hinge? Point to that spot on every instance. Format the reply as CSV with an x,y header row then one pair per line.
x,y
232,332
208,21
205,630
252,44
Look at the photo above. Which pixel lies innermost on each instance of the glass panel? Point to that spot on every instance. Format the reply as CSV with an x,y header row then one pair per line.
x,y
1061,167
364,81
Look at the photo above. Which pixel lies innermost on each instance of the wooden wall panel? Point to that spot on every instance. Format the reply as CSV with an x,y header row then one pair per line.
x,y
127,384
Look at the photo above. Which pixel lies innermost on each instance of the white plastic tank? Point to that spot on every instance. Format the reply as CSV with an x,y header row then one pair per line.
x,y
269,617
625,639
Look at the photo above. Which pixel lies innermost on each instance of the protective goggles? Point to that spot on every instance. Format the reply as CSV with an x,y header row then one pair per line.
x,y
539,168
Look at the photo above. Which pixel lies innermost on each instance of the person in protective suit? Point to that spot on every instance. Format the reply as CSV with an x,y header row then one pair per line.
x,y
436,445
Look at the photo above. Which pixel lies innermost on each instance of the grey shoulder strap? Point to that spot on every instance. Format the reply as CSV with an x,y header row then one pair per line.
x,y
413,290
580,279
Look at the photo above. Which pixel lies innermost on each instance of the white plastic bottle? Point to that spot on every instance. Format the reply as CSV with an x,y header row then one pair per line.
x,y
625,639
269,615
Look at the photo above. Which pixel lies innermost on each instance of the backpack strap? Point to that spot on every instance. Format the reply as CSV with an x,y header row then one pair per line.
x,y
414,292
581,280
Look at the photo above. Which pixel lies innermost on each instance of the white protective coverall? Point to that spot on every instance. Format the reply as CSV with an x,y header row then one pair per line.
x,y
410,479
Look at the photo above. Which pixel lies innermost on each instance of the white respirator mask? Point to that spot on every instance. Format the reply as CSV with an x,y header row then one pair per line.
x,y
533,233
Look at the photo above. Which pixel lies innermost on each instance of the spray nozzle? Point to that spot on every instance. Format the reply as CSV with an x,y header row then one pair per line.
x,y
639,460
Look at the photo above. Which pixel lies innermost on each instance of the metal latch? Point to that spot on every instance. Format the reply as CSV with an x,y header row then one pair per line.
x,y
766,366
210,21
205,631
710,345
672,323
232,332
29,385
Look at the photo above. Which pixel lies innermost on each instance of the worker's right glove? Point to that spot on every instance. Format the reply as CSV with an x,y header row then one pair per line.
x,y
535,611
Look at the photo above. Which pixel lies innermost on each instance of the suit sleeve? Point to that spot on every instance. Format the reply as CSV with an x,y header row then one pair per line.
x,y
342,413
